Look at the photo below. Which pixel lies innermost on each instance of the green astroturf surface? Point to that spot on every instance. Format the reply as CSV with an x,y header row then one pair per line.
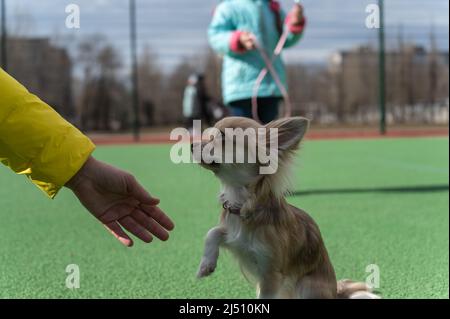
x,y
404,232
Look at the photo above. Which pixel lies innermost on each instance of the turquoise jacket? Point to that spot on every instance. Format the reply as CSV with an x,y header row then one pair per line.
x,y
240,69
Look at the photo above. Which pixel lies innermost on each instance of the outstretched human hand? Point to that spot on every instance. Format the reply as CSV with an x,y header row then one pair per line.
x,y
116,199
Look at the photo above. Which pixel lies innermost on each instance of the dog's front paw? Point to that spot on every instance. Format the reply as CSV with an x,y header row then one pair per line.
x,y
207,267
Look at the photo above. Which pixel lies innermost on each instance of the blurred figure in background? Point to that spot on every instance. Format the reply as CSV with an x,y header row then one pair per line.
x,y
196,101
235,26
190,102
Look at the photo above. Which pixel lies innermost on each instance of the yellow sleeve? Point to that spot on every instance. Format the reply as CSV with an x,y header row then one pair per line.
x,y
36,141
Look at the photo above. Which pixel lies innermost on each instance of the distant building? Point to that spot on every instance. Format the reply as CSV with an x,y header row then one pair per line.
x,y
415,77
419,54
46,70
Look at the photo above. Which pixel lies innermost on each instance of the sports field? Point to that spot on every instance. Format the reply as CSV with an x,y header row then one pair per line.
x,y
381,201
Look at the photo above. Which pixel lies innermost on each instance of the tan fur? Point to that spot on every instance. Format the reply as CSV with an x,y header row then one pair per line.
x,y
278,245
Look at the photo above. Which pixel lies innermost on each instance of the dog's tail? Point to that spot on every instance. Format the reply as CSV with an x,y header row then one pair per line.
x,y
347,289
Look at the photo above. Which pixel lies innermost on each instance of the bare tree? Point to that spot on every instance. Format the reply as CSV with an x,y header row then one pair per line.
x,y
433,70
101,63
213,74
152,107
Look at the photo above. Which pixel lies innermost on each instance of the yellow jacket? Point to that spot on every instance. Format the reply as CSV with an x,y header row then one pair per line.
x,y
36,141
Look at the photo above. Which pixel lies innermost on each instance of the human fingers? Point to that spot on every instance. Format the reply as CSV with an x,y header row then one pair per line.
x,y
150,224
249,44
245,39
251,41
114,213
159,216
119,233
136,229
298,11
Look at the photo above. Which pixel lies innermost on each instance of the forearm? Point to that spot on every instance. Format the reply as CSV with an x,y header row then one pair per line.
x,y
36,141
223,42
222,31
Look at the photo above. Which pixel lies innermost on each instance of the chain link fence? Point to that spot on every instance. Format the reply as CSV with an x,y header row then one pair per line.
x,y
84,72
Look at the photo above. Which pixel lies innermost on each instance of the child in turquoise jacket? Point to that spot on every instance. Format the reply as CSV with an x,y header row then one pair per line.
x,y
231,33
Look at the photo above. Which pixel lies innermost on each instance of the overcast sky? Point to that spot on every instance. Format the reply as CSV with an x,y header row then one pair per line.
x,y
177,28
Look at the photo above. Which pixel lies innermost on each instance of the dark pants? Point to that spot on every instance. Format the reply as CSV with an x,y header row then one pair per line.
x,y
188,121
267,108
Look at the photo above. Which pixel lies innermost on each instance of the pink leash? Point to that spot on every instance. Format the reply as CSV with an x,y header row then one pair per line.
x,y
269,68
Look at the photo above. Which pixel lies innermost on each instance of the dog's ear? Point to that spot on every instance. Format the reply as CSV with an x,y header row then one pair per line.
x,y
290,131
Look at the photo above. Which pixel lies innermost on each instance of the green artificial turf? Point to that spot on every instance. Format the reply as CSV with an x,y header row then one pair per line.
x,y
404,232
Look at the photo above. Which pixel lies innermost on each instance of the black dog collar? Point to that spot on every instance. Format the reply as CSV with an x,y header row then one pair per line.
x,y
230,209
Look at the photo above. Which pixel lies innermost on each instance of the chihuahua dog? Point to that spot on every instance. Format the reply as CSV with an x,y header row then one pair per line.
x,y
276,244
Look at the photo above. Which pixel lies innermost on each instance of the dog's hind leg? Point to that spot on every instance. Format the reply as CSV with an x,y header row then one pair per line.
x,y
214,239
269,286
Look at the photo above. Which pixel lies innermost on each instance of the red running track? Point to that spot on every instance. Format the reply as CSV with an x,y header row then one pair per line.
x,y
335,134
